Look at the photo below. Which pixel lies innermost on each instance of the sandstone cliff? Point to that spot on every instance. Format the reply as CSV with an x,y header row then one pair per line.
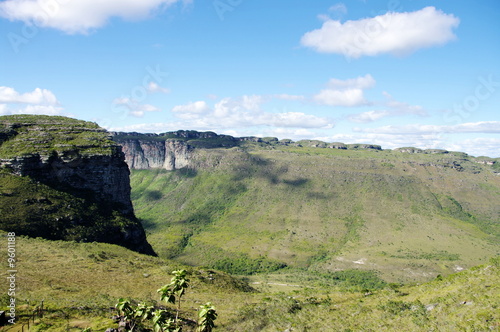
x,y
47,161
175,150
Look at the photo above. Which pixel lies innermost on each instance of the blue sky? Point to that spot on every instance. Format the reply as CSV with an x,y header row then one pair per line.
x,y
395,73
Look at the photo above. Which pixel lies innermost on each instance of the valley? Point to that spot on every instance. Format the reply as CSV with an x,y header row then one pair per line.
x,y
277,235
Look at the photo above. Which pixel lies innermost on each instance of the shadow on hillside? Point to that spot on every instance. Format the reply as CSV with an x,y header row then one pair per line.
x,y
300,182
148,224
152,195
186,172
256,166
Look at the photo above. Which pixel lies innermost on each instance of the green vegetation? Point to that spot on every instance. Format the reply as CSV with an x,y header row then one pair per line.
x,y
243,265
31,208
139,317
47,135
80,283
263,206
321,238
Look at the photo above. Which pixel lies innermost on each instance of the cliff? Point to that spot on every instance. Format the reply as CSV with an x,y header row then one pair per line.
x,y
62,178
176,149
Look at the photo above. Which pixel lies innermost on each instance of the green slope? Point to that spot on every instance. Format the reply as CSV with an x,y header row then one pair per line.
x,y
79,283
409,216
467,301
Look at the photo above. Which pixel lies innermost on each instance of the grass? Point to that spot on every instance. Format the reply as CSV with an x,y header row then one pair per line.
x,y
81,282
323,209
47,135
467,301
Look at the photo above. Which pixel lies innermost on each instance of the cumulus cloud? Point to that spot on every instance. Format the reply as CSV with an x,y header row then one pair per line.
x,y
395,33
135,108
243,112
38,96
345,92
79,16
191,110
38,101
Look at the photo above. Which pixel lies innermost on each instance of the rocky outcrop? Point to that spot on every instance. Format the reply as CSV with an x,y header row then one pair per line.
x,y
175,150
77,158
104,177
170,154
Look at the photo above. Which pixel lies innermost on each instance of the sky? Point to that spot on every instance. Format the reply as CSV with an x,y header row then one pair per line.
x,y
395,73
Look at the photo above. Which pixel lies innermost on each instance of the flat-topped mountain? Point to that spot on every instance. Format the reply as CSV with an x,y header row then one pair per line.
x,y
173,150
249,205
62,178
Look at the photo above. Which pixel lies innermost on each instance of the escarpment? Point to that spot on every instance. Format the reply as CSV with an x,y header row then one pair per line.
x,y
176,149
64,179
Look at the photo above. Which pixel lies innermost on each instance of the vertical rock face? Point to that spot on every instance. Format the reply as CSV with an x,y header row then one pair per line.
x,y
67,180
169,154
177,155
106,177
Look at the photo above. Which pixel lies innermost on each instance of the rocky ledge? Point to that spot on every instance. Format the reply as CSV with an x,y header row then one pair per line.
x,y
76,158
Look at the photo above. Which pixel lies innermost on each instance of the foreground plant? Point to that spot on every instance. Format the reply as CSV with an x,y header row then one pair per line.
x,y
136,318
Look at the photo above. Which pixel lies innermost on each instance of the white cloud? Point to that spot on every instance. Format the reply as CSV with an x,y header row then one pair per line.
x,y
400,108
31,109
191,110
78,16
338,7
486,127
294,134
38,96
135,108
152,87
395,33
369,116
362,82
242,112
480,146
345,92
348,97
392,108
38,101
285,96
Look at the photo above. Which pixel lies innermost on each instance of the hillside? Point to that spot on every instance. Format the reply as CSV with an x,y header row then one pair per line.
x,y
62,178
254,205
79,283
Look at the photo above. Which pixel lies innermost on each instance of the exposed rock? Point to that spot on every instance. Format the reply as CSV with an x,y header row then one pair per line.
x,y
106,177
364,146
409,150
72,157
169,154
337,145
